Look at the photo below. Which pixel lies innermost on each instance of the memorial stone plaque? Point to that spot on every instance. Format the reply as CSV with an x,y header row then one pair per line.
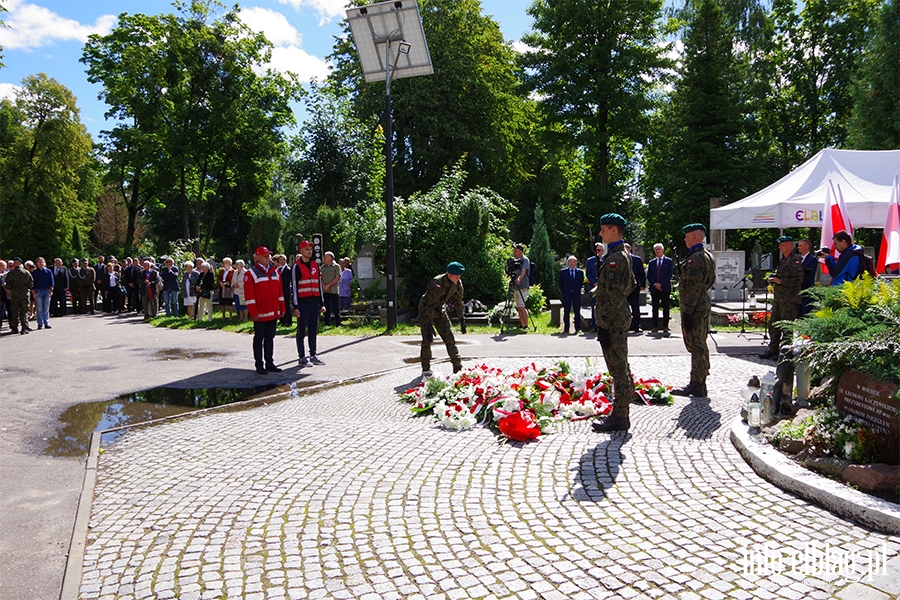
x,y
729,271
871,401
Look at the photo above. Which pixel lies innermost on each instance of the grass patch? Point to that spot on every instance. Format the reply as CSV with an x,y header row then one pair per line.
x,y
362,328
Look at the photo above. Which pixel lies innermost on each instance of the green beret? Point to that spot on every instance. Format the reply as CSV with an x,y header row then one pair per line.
x,y
455,268
694,227
785,238
613,219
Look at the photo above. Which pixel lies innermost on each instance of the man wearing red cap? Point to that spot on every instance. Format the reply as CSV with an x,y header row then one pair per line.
x,y
265,305
306,298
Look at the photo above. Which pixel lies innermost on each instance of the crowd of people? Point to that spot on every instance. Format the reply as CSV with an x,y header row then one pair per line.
x,y
35,292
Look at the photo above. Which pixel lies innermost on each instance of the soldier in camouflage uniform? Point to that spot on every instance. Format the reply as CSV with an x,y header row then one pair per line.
x,y
615,280
18,283
786,281
432,315
87,294
698,275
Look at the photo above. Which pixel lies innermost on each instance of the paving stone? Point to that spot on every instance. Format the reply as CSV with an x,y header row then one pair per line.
x,y
345,494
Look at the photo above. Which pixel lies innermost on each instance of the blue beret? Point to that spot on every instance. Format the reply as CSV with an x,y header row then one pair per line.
x,y
693,227
613,219
455,268
785,238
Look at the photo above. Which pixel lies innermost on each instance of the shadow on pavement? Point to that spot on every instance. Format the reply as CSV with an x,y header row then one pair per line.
x,y
598,469
698,420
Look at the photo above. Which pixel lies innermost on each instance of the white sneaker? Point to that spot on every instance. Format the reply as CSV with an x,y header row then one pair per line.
x,y
427,375
316,360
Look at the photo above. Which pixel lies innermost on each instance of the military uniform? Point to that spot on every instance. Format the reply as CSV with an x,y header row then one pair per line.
x,y
74,274
615,280
440,290
18,283
786,298
87,277
698,275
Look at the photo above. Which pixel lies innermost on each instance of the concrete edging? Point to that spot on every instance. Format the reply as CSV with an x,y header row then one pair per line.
x,y
774,467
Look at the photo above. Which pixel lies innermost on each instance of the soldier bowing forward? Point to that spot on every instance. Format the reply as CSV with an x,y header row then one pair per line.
x,y
432,314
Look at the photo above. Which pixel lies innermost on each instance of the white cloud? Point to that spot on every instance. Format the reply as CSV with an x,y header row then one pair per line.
x,y
287,55
273,24
32,26
298,61
8,91
328,9
521,47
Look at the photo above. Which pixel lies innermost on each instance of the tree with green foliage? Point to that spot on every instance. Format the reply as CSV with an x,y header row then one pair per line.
x,y
198,129
875,120
3,25
43,166
471,106
445,224
540,253
813,64
595,66
697,151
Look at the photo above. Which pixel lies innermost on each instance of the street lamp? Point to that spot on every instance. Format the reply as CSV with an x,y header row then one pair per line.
x,y
376,29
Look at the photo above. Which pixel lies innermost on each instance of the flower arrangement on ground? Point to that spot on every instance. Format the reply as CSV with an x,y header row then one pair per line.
x,y
525,403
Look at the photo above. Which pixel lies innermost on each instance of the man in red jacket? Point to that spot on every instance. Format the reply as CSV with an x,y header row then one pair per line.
x,y
265,304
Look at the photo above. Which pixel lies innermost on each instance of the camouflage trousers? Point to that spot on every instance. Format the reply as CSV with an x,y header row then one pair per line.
x,y
695,343
615,352
18,310
781,311
441,322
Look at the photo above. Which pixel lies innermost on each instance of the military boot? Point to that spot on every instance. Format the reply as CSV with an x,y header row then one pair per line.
x,y
694,388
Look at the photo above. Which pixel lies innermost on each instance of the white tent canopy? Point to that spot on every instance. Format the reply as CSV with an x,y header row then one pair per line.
x,y
865,178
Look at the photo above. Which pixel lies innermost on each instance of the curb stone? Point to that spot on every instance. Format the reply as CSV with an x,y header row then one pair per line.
x,y
774,467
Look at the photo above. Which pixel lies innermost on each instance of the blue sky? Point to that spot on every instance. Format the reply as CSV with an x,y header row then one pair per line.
x,y
46,36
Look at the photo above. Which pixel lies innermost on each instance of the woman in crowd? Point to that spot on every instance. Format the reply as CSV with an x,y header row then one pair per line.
x,y
189,283
226,289
205,287
110,286
237,284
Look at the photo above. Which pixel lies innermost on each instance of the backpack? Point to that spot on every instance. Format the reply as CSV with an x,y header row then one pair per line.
x,y
532,274
866,265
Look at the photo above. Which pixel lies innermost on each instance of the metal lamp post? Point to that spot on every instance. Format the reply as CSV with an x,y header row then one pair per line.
x,y
392,24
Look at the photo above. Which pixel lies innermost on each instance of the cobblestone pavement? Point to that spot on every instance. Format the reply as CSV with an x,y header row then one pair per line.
x,y
344,494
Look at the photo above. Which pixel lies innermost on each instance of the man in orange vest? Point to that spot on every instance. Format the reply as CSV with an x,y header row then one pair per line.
x,y
265,304
306,297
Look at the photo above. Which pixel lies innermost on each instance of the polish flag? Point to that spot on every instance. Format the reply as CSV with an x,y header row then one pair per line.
x,y
889,254
835,218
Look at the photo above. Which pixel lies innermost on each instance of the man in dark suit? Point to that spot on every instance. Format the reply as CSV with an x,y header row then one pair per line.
x,y
590,270
810,269
571,282
60,285
634,298
659,279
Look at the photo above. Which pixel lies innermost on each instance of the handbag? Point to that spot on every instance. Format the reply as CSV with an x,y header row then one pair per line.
x,y
205,294
228,292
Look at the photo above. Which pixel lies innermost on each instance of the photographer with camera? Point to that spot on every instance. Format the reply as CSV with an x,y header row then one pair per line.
x,y
847,266
517,268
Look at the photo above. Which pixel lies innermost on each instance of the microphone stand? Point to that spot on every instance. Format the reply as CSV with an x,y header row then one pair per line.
x,y
744,295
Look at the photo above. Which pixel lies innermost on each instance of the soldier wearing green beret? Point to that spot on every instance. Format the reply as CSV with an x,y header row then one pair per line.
x,y
698,275
615,280
432,314
786,282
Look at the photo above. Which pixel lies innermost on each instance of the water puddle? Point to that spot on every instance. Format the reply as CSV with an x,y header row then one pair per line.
x,y
79,421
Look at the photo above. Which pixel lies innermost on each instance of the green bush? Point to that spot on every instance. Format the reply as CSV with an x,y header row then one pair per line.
x,y
536,301
447,224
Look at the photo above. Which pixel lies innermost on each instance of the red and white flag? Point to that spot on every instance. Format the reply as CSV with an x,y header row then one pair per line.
x,y
835,218
889,254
